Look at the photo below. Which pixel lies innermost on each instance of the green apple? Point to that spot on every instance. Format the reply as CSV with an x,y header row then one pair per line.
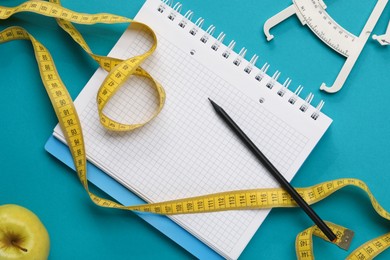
x,y
22,234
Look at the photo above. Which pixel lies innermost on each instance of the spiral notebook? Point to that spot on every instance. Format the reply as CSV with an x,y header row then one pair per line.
x,y
187,150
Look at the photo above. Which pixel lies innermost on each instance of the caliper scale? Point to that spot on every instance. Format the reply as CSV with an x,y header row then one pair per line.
x,y
312,13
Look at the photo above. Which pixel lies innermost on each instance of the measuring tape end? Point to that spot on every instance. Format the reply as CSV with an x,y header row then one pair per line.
x,y
346,239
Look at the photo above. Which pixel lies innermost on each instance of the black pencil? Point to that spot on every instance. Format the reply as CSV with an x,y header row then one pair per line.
x,y
276,174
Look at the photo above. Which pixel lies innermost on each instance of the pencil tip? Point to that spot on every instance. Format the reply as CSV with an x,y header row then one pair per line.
x,y
214,104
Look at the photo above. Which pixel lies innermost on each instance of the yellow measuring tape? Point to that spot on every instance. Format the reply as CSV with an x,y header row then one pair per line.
x,y
119,72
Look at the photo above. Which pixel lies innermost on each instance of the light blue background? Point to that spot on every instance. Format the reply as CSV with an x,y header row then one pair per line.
x,y
356,145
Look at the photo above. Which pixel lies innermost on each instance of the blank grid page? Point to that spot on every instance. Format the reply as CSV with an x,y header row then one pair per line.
x,y
187,150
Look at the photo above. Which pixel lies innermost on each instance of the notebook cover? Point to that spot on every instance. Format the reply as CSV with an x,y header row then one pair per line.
x,y
126,197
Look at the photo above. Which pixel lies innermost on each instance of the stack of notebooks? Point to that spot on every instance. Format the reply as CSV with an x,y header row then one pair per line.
x,y
187,150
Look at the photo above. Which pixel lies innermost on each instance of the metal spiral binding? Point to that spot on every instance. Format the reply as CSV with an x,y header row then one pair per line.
x,y
175,10
209,32
163,5
316,114
218,42
262,72
272,81
229,49
308,100
251,64
187,17
240,57
198,24
294,97
285,85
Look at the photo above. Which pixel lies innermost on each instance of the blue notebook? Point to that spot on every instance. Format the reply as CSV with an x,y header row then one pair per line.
x,y
126,197
187,151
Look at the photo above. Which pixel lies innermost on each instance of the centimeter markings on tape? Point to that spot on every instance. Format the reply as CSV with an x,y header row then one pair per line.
x,y
119,71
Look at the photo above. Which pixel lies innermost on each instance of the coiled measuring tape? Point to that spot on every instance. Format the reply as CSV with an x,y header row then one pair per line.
x,y
119,72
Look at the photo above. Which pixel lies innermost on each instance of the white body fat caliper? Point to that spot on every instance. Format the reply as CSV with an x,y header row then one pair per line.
x,y
312,13
383,39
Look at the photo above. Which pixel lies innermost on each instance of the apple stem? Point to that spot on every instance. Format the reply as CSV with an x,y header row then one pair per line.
x,y
16,245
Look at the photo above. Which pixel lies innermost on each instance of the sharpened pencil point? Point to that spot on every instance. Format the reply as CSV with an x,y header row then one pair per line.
x,y
216,107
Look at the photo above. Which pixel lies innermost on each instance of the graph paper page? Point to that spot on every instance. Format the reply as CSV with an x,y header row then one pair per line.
x,y
187,150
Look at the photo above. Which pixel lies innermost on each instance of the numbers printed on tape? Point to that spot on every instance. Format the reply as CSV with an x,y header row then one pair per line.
x,y
119,72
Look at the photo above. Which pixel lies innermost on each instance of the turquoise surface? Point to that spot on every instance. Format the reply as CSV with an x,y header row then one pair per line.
x,y
356,145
